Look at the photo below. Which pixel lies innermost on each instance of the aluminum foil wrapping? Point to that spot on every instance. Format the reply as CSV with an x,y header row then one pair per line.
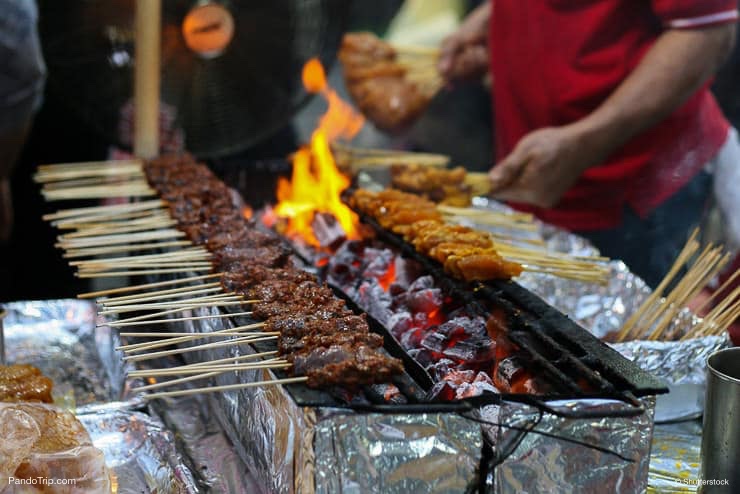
x,y
680,364
60,338
205,444
604,309
543,464
140,452
675,459
289,448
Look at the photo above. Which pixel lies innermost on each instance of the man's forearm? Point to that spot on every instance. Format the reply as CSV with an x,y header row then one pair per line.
x,y
679,63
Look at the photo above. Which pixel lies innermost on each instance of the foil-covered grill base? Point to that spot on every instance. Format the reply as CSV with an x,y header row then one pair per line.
x,y
326,449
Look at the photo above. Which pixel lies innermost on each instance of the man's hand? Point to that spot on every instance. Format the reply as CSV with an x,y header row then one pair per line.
x,y
543,166
464,54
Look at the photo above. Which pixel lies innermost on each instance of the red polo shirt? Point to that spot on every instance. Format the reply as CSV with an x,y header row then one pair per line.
x,y
555,61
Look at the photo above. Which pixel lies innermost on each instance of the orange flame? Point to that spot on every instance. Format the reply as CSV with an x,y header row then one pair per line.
x,y
316,184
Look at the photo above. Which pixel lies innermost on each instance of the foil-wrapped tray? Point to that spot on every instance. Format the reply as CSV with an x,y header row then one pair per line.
x,y
140,451
603,309
60,337
290,447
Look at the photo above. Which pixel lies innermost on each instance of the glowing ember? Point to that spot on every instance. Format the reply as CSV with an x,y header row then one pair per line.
x,y
316,184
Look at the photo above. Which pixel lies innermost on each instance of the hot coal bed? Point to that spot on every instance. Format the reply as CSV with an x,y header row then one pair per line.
x,y
500,391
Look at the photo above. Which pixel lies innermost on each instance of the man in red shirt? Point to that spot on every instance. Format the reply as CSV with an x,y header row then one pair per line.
x,y
603,117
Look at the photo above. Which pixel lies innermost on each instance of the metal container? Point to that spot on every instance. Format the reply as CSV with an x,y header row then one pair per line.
x,y
720,447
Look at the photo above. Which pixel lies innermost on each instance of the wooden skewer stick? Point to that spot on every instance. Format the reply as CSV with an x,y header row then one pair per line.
x,y
118,208
164,293
89,223
172,382
208,296
120,239
115,274
146,318
228,387
221,368
98,232
167,334
176,292
190,305
181,380
135,288
650,303
87,165
51,175
150,265
142,347
127,323
138,190
96,251
245,340
239,358
88,181
185,254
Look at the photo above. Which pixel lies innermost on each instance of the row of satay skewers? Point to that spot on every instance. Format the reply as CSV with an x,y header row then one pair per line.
x,y
219,239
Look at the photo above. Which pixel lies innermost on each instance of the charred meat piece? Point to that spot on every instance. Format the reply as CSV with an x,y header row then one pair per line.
x,y
290,345
366,366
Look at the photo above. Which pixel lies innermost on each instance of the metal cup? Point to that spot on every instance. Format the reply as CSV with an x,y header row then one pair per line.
x,y
720,445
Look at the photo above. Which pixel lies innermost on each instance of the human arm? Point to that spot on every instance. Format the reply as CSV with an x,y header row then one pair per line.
x,y
464,54
548,161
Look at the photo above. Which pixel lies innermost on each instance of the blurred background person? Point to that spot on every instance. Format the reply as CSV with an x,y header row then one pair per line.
x,y
604,123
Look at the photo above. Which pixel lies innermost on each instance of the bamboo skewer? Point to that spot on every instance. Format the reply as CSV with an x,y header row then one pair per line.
x,y
113,208
244,340
141,347
182,380
228,387
203,297
184,306
97,251
175,292
142,321
220,369
134,288
114,274
654,319
120,239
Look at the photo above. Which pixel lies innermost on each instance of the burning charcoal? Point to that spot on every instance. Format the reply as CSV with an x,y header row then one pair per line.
x,y
426,300
475,350
442,391
390,393
458,326
480,384
327,230
377,262
375,301
435,341
440,368
412,338
422,283
407,270
508,371
422,356
457,377
344,264
399,323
